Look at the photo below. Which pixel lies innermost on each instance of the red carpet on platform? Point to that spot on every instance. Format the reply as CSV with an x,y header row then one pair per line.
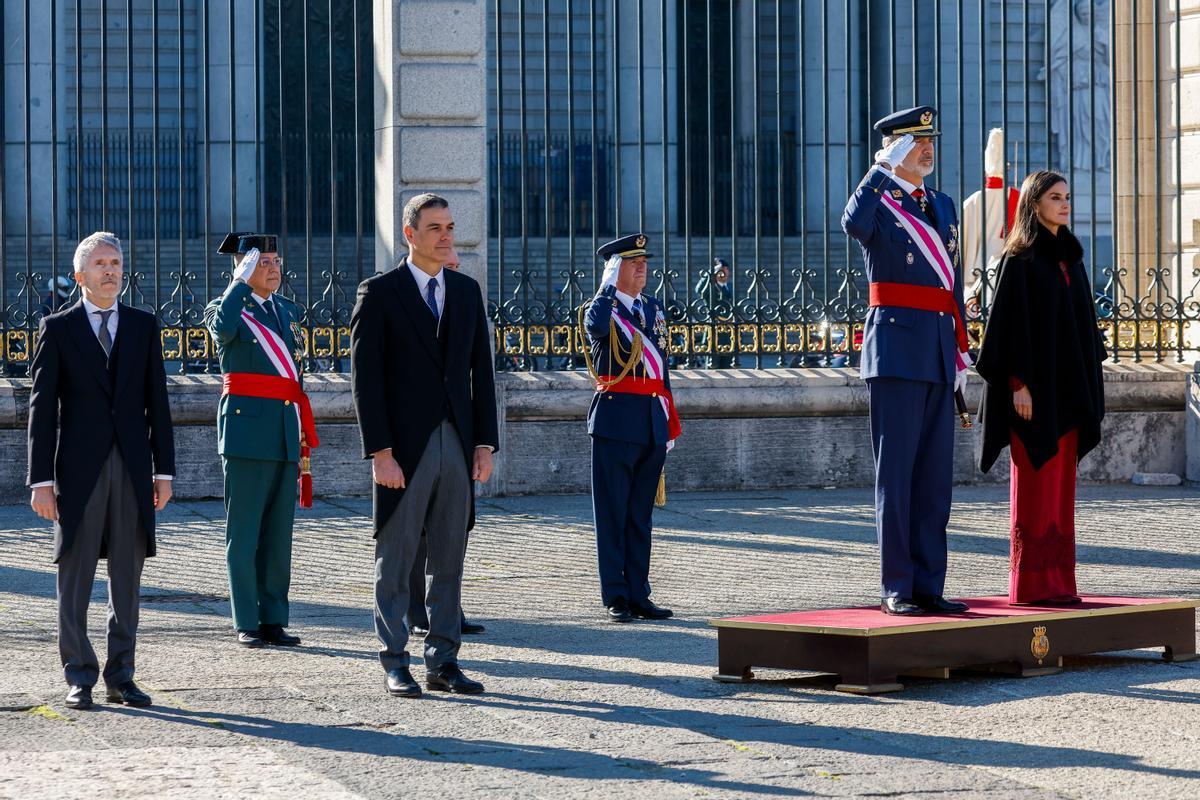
x,y
982,609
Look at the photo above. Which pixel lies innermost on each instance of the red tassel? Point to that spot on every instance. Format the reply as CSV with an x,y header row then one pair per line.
x,y
305,490
306,496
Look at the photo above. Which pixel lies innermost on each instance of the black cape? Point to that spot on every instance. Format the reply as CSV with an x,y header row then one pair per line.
x,y
1043,333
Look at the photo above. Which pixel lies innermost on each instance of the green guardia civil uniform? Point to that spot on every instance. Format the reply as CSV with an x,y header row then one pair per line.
x,y
259,442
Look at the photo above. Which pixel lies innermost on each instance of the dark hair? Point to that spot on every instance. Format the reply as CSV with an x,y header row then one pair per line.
x,y
1025,221
414,207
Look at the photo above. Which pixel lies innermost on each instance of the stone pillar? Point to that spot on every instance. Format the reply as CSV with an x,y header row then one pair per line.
x,y
431,121
1153,187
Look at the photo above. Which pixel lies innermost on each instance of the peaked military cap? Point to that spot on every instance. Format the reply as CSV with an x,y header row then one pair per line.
x,y
918,121
630,246
238,243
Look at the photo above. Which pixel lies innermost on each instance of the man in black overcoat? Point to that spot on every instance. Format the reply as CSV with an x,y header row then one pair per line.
x,y
426,402
101,460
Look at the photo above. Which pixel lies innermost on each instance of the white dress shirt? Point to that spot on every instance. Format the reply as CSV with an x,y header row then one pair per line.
x,y
93,315
423,278
94,318
627,301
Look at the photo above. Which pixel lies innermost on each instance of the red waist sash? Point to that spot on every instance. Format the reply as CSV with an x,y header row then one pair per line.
x,y
922,298
276,387
648,387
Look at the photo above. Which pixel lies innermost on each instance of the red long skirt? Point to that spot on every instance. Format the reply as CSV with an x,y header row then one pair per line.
x,y
1042,556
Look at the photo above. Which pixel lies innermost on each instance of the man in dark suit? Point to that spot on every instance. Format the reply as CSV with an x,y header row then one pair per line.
x,y
426,403
632,422
418,614
101,460
914,357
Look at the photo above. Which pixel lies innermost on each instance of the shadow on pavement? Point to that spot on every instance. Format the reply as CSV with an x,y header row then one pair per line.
x,y
534,759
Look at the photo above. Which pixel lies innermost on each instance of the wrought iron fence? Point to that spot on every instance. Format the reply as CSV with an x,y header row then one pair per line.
x,y
172,122
736,129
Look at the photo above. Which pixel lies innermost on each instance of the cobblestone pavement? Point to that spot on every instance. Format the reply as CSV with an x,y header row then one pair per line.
x,y
582,708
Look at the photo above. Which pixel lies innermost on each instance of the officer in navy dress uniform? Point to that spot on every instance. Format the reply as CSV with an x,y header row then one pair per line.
x,y
913,357
632,422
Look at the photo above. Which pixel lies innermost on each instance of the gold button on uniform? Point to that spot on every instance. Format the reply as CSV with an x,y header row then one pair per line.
x,y
287,402
654,394
941,313
254,341
237,411
891,319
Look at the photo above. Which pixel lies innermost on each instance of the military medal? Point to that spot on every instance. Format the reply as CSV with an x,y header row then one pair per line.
x,y
952,245
896,193
660,331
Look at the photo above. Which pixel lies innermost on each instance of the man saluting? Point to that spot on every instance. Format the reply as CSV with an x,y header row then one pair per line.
x,y
914,357
264,431
632,422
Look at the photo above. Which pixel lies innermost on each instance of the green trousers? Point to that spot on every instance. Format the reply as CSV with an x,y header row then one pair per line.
x,y
260,508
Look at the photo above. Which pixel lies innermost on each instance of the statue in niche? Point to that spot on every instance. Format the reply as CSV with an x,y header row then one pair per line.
x,y
1091,34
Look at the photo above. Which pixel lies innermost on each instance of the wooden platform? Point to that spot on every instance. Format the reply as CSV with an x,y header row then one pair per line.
x,y
870,650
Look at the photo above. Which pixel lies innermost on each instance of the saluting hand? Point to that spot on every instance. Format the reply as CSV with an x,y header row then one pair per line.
x,y
1023,403
44,503
894,154
385,471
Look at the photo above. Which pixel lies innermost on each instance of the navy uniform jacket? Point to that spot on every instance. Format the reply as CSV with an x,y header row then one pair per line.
x,y
614,415
903,342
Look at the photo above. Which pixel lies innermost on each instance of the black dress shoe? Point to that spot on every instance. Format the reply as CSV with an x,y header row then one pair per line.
x,y
619,611
900,606
79,697
250,639
449,678
936,604
418,630
648,610
127,694
400,683
471,627
276,635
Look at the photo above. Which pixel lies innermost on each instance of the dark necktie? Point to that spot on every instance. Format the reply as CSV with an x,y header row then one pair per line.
x,y
104,335
431,298
269,307
637,311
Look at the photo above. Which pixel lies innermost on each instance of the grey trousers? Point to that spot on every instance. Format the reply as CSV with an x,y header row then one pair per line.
x,y
438,500
110,517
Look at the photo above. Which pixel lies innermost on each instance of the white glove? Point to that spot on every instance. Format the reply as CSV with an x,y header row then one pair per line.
x,y
611,268
960,381
245,269
894,154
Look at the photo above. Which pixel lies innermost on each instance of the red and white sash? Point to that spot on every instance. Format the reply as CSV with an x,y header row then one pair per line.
x,y
276,350
933,250
652,357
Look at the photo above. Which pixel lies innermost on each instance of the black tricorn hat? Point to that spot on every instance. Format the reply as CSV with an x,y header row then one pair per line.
x,y
919,121
630,246
238,243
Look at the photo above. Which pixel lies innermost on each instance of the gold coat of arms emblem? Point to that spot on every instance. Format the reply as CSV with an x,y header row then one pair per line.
x,y
641,241
927,118
1040,646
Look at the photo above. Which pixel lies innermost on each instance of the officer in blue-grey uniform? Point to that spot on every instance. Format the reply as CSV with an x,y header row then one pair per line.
x,y
632,422
913,358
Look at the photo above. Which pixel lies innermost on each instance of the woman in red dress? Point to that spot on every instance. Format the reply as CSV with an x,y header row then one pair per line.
x,y
1044,393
